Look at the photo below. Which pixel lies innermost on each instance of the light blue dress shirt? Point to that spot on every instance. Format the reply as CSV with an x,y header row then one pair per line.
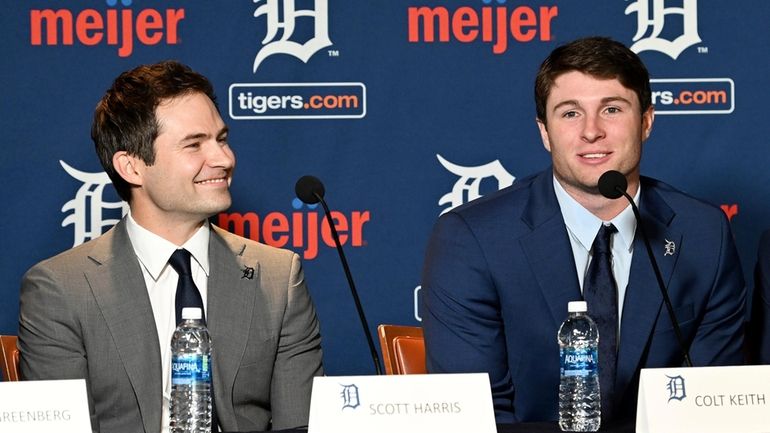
x,y
583,226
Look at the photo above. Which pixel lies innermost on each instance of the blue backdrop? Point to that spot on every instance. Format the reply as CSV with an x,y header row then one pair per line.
x,y
404,108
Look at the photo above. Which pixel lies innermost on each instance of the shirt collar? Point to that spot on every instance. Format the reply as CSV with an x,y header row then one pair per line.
x,y
584,225
153,251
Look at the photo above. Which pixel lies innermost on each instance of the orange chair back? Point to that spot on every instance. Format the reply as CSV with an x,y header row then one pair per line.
x,y
403,349
9,358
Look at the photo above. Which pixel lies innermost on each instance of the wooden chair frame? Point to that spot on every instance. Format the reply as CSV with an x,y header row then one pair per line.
x,y
9,358
403,349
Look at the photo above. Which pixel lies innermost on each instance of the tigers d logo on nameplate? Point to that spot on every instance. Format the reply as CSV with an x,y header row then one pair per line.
x,y
704,400
419,403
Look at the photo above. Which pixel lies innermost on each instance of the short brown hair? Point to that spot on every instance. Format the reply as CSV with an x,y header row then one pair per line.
x,y
124,119
596,56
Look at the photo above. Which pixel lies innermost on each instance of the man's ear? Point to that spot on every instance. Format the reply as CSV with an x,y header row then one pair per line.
x,y
127,166
647,119
544,135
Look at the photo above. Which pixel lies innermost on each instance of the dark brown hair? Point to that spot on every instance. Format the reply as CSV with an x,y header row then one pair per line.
x,y
125,120
596,56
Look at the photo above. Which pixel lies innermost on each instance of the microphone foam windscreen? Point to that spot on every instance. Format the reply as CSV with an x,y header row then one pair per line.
x,y
612,184
307,188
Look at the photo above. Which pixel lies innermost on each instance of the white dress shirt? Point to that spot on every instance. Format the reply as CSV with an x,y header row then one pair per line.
x,y
583,227
160,279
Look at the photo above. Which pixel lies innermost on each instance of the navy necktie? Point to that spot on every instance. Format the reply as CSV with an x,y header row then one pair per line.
x,y
601,293
188,295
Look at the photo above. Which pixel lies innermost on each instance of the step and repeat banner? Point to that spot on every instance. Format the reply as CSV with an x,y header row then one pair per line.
x,y
403,108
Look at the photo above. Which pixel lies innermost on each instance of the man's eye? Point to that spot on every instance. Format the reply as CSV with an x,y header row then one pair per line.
x,y
570,114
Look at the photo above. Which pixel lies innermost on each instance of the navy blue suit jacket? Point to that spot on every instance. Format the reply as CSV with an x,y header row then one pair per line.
x,y
499,273
761,302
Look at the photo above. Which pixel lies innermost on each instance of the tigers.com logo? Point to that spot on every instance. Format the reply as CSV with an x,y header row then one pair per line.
x,y
300,31
297,101
693,95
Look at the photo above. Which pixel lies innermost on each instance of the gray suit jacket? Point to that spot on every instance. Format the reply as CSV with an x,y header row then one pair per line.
x,y
86,314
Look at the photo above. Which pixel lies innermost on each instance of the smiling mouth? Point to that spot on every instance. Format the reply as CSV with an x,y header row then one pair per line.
x,y
212,181
594,155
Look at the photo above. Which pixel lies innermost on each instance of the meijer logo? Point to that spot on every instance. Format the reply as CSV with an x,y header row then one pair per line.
x,y
491,24
119,27
304,231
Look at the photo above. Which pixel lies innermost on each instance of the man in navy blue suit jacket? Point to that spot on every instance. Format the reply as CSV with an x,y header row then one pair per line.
x,y
499,271
760,317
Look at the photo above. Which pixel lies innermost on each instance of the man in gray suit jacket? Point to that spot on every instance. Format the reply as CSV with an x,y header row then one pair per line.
x,y
104,311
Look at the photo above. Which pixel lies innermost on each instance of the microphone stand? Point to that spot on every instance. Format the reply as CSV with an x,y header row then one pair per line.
x,y
661,284
352,285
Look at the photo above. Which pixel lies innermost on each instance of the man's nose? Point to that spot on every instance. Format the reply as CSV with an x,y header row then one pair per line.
x,y
592,129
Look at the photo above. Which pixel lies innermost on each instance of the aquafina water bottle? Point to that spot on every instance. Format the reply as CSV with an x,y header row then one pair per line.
x,y
579,394
190,406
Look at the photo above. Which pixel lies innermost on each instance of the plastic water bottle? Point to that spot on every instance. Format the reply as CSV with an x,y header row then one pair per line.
x,y
579,394
190,406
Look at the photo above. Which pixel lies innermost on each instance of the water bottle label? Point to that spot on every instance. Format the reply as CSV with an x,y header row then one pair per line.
x,y
190,368
579,362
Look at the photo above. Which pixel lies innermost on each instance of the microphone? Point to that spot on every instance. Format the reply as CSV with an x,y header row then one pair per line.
x,y
612,185
310,190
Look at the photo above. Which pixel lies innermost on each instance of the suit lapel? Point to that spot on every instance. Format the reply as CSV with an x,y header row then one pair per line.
x,y
119,289
643,301
548,249
231,299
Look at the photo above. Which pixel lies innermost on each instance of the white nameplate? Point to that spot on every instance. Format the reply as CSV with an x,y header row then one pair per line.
x,y
44,406
413,403
704,400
